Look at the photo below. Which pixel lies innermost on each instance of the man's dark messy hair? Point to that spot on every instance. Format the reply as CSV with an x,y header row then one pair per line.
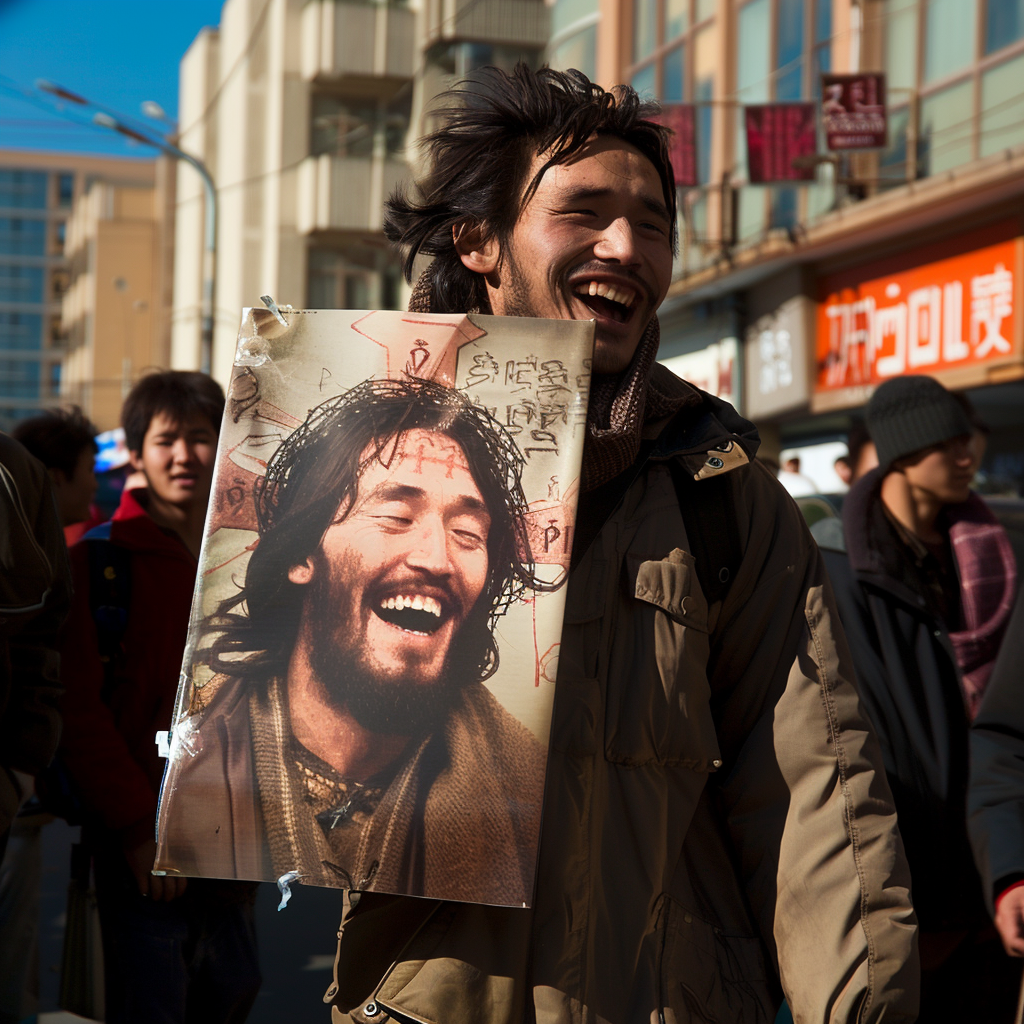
x,y
493,125
312,481
178,394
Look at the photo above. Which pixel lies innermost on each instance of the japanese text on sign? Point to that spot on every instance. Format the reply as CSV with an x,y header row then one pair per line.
x,y
943,315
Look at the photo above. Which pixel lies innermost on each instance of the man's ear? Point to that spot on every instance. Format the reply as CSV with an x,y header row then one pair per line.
x,y
57,476
301,573
479,254
135,458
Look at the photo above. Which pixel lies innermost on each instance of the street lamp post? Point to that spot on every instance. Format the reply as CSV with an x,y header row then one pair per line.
x,y
106,119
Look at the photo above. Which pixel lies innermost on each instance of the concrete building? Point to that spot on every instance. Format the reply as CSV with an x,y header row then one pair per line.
x,y
116,311
37,192
303,111
796,300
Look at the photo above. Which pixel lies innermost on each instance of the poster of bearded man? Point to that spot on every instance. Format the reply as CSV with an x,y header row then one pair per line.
x,y
366,692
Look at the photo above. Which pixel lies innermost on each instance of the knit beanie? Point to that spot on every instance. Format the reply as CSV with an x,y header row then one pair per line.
x,y
908,414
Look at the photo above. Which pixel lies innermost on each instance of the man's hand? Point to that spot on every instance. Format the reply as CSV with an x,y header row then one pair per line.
x,y
1010,921
157,887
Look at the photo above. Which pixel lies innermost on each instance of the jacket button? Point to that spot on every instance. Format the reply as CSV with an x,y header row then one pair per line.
x,y
371,1010
938,634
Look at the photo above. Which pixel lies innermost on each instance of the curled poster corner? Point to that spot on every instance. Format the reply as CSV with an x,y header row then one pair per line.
x,y
284,884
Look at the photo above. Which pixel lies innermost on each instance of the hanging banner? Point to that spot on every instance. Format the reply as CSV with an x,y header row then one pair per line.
x,y
366,692
682,146
778,135
937,317
853,110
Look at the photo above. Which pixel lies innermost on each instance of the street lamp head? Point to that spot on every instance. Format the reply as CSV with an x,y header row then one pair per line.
x,y
105,121
43,85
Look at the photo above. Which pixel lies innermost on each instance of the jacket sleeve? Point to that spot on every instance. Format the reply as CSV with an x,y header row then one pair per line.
x,y
34,594
995,797
112,784
804,790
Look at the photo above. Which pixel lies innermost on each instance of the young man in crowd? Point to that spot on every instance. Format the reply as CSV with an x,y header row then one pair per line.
x,y
925,591
174,950
716,816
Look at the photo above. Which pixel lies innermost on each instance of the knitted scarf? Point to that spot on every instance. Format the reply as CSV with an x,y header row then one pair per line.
x,y
620,404
988,584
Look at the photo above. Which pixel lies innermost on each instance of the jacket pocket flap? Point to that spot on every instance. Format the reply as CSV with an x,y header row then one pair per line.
x,y
671,584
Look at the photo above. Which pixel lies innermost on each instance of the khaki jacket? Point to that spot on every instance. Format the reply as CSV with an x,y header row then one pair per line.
x,y
716,814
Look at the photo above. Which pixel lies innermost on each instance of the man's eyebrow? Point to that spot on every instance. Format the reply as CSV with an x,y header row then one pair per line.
x,y
580,194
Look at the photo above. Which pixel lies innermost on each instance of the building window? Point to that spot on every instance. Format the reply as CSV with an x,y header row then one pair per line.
x,y
24,190
65,190
345,127
354,276
21,332
1004,23
960,90
19,378
21,284
22,236
573,41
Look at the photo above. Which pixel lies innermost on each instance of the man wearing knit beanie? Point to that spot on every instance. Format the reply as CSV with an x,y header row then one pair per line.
x,y
717,827
925,589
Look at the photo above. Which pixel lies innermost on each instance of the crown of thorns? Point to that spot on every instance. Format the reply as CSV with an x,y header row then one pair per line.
x,y
393,407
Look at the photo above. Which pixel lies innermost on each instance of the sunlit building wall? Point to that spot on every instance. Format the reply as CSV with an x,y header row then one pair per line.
x,y
305,112
37,191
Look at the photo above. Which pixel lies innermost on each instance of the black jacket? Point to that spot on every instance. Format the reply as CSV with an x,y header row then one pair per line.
x,y
910,685
996,796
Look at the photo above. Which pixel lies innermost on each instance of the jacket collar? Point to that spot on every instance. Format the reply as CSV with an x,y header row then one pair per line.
x,y
707,435
132,527
877,554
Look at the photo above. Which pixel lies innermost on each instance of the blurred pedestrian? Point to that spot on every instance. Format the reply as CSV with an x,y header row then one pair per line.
x,y
798,484
34,596
63,440
174,950
925,595
996,795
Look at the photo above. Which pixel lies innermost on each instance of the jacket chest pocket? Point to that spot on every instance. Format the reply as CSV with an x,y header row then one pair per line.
x,y
658,706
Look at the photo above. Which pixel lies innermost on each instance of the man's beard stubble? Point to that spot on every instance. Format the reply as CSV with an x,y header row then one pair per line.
x,y
384,706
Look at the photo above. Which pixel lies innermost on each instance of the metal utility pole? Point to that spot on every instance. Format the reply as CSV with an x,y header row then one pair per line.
x,y
107,119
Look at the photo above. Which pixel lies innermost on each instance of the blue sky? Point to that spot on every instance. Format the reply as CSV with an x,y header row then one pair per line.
x,y
115,52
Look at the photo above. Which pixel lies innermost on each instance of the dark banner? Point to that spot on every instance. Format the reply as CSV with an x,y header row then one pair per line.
x,y
682,147
853,110
778,134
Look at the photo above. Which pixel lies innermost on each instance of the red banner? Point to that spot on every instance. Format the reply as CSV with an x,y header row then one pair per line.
x,y
853,110
778,134
682,146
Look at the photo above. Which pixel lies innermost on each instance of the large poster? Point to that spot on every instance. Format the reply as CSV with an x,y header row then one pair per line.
x,y
366,693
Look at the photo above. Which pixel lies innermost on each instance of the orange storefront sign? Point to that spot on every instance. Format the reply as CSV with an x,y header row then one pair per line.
x,y
934,317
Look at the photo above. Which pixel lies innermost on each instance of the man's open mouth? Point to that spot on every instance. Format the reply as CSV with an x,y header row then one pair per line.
x,y
415,613
611,301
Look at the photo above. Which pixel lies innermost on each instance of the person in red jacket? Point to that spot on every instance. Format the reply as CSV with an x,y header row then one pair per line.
x,y
175,950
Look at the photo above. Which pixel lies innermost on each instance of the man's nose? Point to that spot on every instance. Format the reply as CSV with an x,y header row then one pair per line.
x,y
429,550
182,451
618,242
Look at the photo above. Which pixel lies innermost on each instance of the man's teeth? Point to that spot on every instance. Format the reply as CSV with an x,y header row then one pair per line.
x,y
624,296
417,602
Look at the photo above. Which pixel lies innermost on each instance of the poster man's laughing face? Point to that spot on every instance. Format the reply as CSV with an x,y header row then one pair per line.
x,y
397,576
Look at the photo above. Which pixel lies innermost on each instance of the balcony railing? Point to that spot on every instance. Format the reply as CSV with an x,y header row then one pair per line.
x,y
346,193
349,39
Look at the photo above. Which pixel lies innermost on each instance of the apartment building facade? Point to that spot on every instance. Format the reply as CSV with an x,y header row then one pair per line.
x,y
305,112
115,313
796,300
37,193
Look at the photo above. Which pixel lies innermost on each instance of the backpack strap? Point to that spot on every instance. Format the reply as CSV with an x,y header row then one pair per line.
x,y
109,599
711,530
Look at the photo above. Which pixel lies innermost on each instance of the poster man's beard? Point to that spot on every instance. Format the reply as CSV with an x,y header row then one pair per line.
x,y
378,703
